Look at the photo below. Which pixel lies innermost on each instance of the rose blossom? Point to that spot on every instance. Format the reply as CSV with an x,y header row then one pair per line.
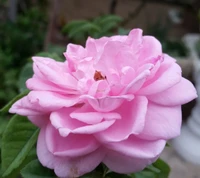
x,y
116,101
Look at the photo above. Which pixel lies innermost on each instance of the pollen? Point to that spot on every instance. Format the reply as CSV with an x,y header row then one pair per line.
x,y
98,76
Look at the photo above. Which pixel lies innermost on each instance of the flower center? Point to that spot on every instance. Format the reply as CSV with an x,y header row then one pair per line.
x,y
98,76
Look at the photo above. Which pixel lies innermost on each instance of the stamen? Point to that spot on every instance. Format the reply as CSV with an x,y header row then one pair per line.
x,y
98,76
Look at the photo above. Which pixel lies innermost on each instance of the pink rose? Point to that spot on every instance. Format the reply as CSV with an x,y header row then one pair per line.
x,y
115,101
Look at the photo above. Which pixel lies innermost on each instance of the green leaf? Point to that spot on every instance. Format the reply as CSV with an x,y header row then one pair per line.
x,y
106,19
167,144
159,169
123,31
163,167
3,123
57,49
145,174
85,28
26,73
17,141
7,107
153,169
50,55
35,170
31,156
73,25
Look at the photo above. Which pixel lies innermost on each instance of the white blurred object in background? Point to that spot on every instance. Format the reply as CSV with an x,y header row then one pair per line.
x,y
187,144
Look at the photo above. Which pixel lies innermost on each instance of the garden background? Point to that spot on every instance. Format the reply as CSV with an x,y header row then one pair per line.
x,y
45,27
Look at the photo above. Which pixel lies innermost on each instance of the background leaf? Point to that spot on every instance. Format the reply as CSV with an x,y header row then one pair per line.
x,y
73,25
26,73
7,106
158,169
35,170
31,156
145,174
163,167
17,141
3,123
52,55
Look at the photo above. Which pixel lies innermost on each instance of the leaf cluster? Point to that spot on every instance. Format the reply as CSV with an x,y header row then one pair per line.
x,y
79,30
19,41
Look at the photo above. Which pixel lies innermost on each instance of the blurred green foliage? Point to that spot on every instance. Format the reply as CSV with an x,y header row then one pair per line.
x,y
173,47
79,30
19,41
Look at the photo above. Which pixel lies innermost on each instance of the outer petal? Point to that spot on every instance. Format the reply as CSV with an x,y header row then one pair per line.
x,y
39,120
132,121
36,83
64,166
73,145
179,94
45,157
151,47
168,75
51,71
162,122
40,102
125,164
138,148
81,165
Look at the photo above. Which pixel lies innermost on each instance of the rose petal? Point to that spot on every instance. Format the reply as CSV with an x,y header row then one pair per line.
x,y
39,120
78,166
179,94
88,115
79,144
65,166
67,125
62,121
36,83
162,122
137,83
151,47
45,157
132,121
125,164
76,50
114,57
107,104
40,102
137,147
99,89
134,39
167,76
93,129
50,71
99,44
